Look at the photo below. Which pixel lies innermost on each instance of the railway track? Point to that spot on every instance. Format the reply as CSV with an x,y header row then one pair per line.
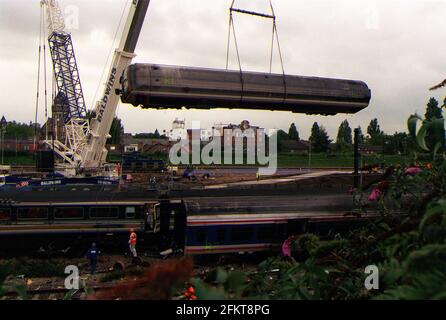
x,y
55,293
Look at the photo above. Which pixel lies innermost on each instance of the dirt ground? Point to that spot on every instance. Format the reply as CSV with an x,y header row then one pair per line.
x,y
144,178
227,178
105,269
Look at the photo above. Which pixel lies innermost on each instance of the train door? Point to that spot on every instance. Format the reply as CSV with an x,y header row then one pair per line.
x,y
173,222
180,223
164,218
152,218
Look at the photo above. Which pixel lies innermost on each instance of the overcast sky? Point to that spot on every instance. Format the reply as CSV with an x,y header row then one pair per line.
x,y
396,46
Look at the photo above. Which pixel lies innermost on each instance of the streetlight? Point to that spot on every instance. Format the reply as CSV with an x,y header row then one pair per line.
x,y
309,156
3,124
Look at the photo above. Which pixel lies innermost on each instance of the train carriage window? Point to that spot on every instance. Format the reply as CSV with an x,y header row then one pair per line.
x,y
130,212
68,213
265,233
241,234
5,214
104,213
32,213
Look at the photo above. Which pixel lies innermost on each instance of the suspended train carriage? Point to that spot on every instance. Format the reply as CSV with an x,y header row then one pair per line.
x,y
161,86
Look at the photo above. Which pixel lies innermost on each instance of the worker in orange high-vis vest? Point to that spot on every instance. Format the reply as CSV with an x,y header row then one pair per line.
x,y
132,244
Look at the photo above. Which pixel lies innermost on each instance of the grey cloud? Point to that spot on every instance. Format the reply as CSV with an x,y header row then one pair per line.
x,y
395,46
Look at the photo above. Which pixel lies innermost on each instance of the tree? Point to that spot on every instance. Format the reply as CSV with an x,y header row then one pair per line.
x,y
433,112
143,136
319,138
375,134
281,137
344,138
115,131
19,130
361,136
395,144
293,133
155,135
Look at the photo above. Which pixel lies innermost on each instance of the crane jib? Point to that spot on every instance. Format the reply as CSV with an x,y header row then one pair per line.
x,y
108,91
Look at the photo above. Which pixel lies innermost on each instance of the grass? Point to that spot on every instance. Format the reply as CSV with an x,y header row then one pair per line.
x,y
118,274
31,268
285,160
335,160
23,160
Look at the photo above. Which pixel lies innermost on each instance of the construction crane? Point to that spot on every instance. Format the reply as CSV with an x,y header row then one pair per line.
x,y
83,152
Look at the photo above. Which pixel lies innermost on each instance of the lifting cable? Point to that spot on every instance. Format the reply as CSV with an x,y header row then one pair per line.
x,y
41,64
38,76
45,66
275,34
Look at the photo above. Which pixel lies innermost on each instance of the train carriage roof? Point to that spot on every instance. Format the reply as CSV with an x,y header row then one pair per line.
x,y
269,204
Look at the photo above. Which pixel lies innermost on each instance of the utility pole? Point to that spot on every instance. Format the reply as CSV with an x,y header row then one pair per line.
x,y
3,124
356,158
309,157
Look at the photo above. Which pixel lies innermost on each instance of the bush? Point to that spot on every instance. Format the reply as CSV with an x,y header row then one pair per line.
x,y
31,268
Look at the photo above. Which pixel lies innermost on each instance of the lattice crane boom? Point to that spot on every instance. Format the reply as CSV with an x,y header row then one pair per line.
x,y
84,147
69,88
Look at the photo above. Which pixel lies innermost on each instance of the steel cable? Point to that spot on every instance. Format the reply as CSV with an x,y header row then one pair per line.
x,y
275,34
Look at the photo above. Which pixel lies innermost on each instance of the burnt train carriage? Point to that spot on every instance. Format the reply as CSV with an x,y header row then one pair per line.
x,y
250,224
160,86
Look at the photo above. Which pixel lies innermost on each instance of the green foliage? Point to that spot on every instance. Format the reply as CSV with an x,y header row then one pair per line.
x,y
398,143
375,135
155,135
430,135
407,242
112,276
319,138
116,131
282,135
226,285
19,130
433,110
14,285
293,133
344,137
119,274
361,136
422,275
10,284
31,268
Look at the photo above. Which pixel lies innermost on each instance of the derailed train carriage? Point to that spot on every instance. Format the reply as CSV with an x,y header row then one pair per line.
x,y
35,224
195,226
250,224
